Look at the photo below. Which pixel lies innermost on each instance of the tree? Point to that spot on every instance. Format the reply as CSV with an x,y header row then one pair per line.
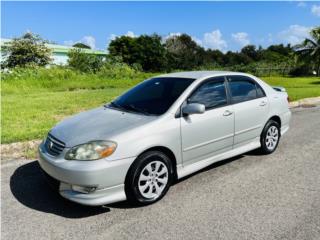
x,y
213,58
150,53
146,51
124,47
184,52
281,49
309,49
276,54
81,45
251,52
84,62
30,49
235,58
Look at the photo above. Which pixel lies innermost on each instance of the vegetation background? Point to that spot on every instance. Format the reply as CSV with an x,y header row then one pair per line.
x,y
35,97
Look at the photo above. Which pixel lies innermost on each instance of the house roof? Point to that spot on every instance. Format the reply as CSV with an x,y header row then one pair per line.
x,y
64,49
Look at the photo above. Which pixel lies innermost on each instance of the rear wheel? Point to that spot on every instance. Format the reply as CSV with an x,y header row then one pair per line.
x,y
149,178
270,137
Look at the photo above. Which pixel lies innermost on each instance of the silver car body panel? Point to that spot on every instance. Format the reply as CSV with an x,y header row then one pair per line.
x,y
96,124
203,135
196,141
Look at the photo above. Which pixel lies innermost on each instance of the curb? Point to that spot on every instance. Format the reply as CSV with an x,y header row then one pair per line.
x,y
305,102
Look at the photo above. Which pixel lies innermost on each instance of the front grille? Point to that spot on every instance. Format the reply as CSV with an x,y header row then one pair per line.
x,y
54,146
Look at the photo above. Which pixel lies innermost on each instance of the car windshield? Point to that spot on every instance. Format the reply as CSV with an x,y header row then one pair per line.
x,y
153,96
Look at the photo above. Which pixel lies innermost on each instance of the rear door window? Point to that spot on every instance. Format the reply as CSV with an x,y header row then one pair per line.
x,y
242,89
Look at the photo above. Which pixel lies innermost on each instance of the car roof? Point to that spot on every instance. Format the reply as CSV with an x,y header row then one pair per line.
x,y
199,74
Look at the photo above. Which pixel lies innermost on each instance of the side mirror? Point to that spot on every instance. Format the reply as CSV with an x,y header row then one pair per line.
x,y
193,108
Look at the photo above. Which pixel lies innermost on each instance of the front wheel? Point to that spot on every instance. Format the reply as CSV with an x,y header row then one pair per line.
x,y
270,137
149,178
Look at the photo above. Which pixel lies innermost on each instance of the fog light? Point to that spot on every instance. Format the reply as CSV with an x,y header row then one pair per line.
x,y
83,189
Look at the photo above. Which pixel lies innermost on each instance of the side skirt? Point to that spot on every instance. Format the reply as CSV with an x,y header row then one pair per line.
x,y
187,170
284,129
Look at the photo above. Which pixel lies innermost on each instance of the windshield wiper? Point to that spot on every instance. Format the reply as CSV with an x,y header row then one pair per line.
x,y
115,105
136,109
127,108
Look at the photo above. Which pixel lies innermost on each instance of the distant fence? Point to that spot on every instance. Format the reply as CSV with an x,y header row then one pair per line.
x,y
269,71
281,70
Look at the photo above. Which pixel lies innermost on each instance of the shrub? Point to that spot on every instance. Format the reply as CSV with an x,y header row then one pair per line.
x,y
301,70
84,62
28,50
60,78
115,69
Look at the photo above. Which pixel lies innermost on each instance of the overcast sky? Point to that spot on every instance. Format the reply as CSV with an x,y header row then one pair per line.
x,y
216,25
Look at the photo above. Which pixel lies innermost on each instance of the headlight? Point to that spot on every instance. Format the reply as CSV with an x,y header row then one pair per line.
x,y
91,151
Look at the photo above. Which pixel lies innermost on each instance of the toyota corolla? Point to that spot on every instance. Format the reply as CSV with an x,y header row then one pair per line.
x,y
163,129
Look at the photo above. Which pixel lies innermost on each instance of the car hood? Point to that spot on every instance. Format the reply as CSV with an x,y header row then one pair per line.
x,y
98,124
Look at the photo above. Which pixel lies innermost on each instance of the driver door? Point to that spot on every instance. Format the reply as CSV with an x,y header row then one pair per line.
x,y
205,135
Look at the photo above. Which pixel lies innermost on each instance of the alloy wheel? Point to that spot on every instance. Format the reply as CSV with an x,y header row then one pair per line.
x,y
272,138
153,179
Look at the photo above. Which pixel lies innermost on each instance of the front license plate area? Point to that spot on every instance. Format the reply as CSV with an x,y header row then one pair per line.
x,y
53,183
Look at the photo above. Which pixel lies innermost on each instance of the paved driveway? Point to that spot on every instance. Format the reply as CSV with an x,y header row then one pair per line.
x,y
247,197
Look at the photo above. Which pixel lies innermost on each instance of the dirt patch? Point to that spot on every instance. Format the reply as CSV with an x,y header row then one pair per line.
x,y
305,105
20,150
306,102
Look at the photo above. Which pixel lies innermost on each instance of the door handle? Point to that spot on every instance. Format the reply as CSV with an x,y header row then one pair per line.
x,y
227,113
263,103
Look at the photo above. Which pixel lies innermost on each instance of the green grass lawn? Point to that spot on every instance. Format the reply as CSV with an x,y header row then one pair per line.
x,y
31,108
297,88
30,116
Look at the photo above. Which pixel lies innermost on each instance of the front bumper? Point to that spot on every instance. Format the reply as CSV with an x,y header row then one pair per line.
x,y
107,177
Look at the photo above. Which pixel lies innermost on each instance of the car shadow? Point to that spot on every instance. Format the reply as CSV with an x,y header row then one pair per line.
x,y
210,167
255,152
29,187
126,204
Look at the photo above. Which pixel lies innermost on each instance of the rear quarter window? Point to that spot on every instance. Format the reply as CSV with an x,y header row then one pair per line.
x,y
260,91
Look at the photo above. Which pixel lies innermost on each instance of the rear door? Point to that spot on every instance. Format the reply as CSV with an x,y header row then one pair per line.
x,y
250,106
210,133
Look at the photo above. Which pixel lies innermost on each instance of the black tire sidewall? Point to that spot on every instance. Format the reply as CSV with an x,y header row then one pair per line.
x,y
131,183
269,124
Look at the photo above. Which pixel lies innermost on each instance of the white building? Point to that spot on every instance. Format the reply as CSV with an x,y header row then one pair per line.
x,y
59,53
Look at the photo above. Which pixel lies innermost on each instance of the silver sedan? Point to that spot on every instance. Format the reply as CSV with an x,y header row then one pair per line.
x,y
163,129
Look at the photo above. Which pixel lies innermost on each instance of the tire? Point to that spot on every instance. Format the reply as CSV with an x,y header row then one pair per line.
x,y
270,137
149,178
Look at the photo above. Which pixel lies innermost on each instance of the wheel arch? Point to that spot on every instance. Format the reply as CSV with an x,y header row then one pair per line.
x,y
164,150
264,149
275,118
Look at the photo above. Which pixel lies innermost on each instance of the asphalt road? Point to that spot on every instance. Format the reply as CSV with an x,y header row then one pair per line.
x,y
248,197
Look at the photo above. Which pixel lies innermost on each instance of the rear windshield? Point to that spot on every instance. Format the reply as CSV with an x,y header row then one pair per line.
x,y
154,96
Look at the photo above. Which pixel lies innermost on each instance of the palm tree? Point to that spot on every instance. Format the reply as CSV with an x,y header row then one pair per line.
x,y
309,49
